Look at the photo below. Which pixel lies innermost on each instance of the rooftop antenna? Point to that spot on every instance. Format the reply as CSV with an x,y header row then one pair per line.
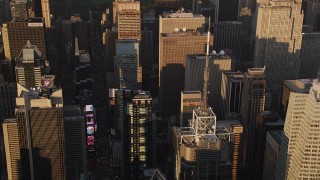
x,y
204,103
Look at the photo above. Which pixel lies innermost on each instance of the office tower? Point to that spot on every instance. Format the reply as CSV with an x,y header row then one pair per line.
x,y
271,154
29,66
247,46
172,56
17,32
138,135
129,20
193,77
5,11
228,35
300,144
21,9
46,12
5,71
41,133
253,101
309,55
231,92
311,16
12,149
82,75
168,22
190,100
127,68
8,93
81,29
298,86
228,10
110,45
278,43
75,130
266,121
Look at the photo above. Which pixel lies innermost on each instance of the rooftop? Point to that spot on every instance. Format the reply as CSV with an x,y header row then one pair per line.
x,y
183,33
299,85
217,56
234,75
276,135
181,15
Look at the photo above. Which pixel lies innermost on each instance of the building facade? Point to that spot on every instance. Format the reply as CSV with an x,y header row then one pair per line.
x,y
190,100
278,43
253,102
173,49
193,79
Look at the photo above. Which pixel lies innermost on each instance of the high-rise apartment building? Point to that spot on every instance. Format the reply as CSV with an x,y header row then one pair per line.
x,y
168,22
190,100
141,147
17,32
228,35
173,49
300,144
41,134
231,91
127,67
309,55
278,43
12,149
8,93
75,131
253,102
193,79
128,15
29,66
46,12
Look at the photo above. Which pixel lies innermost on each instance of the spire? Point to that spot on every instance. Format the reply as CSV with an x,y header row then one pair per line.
x,y
28,44
204,103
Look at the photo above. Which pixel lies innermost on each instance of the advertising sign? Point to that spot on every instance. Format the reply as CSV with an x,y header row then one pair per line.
x,y
91,148
90,140
90,130
89,108
89,119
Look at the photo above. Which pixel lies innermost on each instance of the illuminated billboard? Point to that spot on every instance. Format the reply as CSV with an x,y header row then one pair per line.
x,y
89,108
90,129
90,140
48,81
89,119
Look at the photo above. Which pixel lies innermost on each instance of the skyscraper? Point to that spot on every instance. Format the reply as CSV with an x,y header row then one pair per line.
x,y
8,93
253,101
310,55
300,144
190,100
127,67
278,43
228,35
17,32
41,134
173,48
231,92
128,19
76,155
194,79
169,21
46,12
21,9
12,149
29,66
312,14
141,147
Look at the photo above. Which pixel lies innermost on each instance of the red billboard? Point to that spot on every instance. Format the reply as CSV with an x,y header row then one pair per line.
x,y
90,140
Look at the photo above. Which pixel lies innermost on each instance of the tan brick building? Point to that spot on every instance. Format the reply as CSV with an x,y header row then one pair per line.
x,y
172,56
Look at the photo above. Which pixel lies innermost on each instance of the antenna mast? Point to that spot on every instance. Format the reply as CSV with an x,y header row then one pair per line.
x,y
204,103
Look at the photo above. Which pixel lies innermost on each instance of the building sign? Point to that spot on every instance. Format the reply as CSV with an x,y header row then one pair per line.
x,y
35,24
90,130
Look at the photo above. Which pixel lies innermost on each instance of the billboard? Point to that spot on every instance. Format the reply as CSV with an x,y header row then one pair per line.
x,y
90,129
89,119
90,141
89,108
48,81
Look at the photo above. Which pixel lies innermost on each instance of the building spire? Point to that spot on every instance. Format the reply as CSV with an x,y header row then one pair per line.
x,y
204,103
